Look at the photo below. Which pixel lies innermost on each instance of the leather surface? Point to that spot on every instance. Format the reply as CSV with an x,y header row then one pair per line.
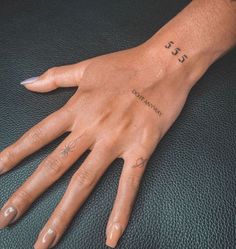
x,y
188,194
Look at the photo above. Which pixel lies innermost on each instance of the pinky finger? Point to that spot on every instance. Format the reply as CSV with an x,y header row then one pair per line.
x,y
129,183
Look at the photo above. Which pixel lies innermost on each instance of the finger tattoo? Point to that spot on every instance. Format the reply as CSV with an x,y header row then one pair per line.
x,y
140,162
71,146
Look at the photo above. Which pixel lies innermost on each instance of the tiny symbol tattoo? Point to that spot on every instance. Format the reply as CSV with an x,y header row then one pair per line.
x,y
71,146
140,162
67,149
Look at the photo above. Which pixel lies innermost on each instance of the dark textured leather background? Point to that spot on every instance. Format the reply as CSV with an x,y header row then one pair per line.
x,y
188,194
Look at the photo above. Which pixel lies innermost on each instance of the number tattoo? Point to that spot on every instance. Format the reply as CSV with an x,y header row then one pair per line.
x,y
169,44
183,58
176,51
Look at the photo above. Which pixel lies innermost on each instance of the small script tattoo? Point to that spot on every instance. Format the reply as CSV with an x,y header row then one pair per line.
x,y
146,102
140,162
71,146
176,51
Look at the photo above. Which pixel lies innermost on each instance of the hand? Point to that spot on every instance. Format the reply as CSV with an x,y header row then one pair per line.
x,y
124,104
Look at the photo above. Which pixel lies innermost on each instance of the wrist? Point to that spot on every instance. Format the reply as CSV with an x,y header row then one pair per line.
x,y
191,41
168,59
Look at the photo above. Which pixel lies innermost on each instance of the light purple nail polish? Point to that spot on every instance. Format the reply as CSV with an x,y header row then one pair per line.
x,y
29,81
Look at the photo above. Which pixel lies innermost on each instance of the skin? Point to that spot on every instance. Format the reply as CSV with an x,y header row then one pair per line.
x,y
125,103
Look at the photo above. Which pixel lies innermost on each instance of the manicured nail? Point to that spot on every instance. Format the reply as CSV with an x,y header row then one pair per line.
x,y
7,215
1,166
114,235
2,169
29,81
45,241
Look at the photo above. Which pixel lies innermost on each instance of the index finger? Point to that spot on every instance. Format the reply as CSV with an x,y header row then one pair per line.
x,y
35,138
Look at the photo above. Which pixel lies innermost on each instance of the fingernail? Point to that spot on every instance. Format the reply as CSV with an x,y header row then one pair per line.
x,y
46,241
2,171
29,81
114,235
1,167
7,215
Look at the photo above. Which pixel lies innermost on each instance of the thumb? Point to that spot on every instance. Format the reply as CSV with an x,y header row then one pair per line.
x,y
62,76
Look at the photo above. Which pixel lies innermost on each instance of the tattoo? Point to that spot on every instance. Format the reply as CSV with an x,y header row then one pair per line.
x,y
169,44
175,51
146,102
71,146
183,58
140,162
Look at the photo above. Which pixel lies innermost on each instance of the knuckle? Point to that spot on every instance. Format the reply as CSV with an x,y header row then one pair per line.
x,y
137,155
50,73
110,147
35,135
22,196
66,111
60,213
59,216
60,220
85,177
7,156
108,144
53,165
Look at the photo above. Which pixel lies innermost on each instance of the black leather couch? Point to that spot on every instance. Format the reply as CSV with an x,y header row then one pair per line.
x,y
187,199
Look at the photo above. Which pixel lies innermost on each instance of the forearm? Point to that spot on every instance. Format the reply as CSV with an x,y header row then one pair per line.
x,y
200,34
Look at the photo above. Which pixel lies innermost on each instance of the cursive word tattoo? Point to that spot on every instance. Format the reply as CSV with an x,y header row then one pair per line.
x,y
146,102
140,162
71,146
176,51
